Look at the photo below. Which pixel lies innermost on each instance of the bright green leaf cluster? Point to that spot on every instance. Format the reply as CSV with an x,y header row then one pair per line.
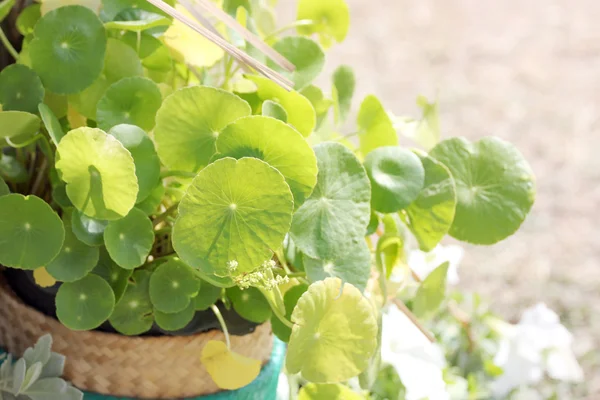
x,y
154,178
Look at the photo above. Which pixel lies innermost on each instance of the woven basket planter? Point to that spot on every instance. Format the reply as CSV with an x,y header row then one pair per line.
x,y
165,367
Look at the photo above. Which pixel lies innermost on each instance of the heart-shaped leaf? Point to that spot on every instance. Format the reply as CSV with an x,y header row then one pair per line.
x,y
99,173
20,89
334,333
68,49
396,176
335,217
494,188
31,233
189,123
276,143
129,240
221,217
84,304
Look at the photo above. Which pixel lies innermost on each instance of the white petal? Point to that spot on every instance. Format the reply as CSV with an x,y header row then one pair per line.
x,y
562,365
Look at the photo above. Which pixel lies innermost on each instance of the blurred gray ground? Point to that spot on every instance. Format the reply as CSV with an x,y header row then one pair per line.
x,y
527,71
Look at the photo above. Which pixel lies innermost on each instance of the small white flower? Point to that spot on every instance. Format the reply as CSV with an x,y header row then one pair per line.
x,y
538,343
423,263
417,361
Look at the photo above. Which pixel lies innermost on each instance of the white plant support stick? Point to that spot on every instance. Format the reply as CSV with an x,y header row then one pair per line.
x,y
250,37
222,43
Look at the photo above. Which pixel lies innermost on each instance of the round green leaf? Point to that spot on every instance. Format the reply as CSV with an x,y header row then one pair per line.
x,y
129,239
18,123
375,126
396,176
305,54
52,124
85,304
3,187
189,122
353,267
20,89
172,286
132,100
136,20
68,49
233,211
86,102
28,18
276,143
133,312
31,234
300,112
431,214
207,296
121,61
494,188
334,334
75,260
141,147
335,217
175,321
116,276
250,303
89,230
331,19
290,299
99,173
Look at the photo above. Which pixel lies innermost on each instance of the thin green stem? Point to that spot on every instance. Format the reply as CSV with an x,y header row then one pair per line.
x,y
14,53
223,324
25,143
165,214
295,24
182,174
282,317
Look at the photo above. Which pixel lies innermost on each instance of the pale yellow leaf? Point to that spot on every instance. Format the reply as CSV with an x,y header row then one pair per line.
x,y
43,278
189,46
229,370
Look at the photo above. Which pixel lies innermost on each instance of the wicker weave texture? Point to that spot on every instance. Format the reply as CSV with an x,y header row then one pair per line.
x,y
142,367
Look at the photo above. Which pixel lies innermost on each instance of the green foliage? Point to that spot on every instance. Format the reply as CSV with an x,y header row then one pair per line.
x,y
494,188
334,333
183,181
67,50
36,376
31,234
20,89
396,176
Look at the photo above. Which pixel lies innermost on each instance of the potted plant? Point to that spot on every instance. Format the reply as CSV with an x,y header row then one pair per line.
x,y
151,182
